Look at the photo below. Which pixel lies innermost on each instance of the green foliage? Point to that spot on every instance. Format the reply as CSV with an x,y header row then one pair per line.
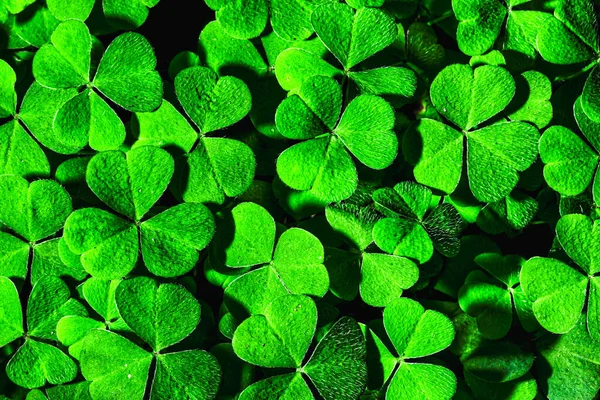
x,y
334,200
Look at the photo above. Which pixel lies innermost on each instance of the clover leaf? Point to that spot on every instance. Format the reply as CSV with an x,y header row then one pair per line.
x,y
490,299
570,162
214,168
21,154
294,265
416,333
322,164
280,337
245,19
379,277
570,38
495,153
406,231
559,291
34,212
169,241
568,360
119,15
129,81
147,307
352,37
36,362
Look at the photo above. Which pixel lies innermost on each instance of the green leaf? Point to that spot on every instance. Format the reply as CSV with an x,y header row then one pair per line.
x,y
569,364
490,304
294,66
313,111
495,156
337,367
243,19
580,17
71,330
280,337
172,239
498,362
65,9
130,183
174,380
161,315
34,210
479,24
107,244
422,381
225,54
522,28
569,163
112,363
129,14
351,36
37,363
291,386
532,99
8,95
11,314
393,83
557,291
100,295
65,62
212,103
14,256
590,98
365,128
320,165
126,74
21,155
524,388
578,236
216,169
48,302
46,261
436,150
469,97
558,45
246,237
38,111
87,118
402,237
165,127
414,331
353,222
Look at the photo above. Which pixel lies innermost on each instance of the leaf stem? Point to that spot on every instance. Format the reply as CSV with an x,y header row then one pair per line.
x,y
440,18
564,78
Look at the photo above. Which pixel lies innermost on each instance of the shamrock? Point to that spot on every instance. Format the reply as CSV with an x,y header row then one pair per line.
x,y
21,154
214,168
495,153
126,75
510,214
572,38
569,363
352,37
280,336
570,162
119,15
131,183
406,231
246,19
499,370
161,315
415,333
482,21
36,362
34,212
321,163
246,238
558,291
380,277
490,297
